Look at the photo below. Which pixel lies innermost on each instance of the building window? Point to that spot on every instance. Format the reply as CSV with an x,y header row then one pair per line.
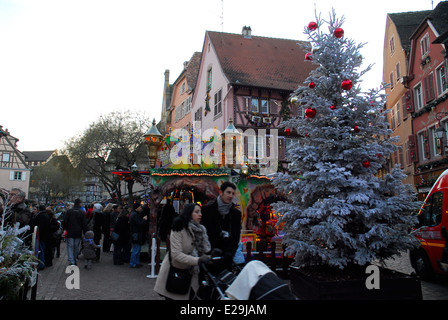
x,y
6,157
418,98
186,106
258,105
435,143
421,146
218,103
182,88
392,45
178,113
392,80
254,105
264,106
424,45
441,79
400,156
392,118
429,87
255,147
17,176
209,77
198,115
398,70
407,153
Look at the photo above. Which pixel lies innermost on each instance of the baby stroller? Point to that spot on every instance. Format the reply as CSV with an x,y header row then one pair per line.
x,y
255,282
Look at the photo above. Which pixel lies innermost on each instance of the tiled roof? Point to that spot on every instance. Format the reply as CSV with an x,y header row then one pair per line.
x,y
261,61
193,69
37,155
406,23
439,17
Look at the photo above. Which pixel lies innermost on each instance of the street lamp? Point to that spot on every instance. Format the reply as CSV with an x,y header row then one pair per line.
x,y
231,138
244,170
440,132
154,139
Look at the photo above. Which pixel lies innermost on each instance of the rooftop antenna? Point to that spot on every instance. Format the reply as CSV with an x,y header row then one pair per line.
x,y
222,16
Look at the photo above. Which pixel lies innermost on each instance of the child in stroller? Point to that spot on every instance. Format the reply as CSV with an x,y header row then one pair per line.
x,y
254,282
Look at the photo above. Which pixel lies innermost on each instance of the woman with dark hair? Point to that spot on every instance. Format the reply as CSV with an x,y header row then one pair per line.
x,y
189,246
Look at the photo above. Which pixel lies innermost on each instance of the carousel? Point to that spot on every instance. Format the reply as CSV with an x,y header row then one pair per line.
x,y
168,183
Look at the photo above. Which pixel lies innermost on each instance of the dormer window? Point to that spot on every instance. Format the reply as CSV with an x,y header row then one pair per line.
x,y
182,88
247,32
424,45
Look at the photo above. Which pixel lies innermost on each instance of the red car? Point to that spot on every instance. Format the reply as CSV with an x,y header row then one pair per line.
x,y
431,257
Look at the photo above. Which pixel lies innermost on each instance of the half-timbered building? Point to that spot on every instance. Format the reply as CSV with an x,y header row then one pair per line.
x,y
249,79
14,172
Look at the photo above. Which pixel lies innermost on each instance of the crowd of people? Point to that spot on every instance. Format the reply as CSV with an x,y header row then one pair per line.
x,y
124,227
193,236
84,229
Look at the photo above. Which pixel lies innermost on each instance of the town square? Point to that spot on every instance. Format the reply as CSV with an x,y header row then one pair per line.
x,y
267,167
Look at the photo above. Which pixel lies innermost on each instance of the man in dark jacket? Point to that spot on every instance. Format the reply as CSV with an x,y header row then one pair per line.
x,y
17,211
42,221
223,223
166,220
137,222
75,223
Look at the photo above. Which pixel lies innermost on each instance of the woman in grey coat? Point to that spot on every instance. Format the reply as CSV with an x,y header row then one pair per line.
x,y
189,246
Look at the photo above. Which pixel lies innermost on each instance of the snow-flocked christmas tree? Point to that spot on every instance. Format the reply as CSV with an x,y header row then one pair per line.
x,y
18,264
340,212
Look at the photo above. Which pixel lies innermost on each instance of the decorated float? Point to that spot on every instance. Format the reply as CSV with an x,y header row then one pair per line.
x,y
199,182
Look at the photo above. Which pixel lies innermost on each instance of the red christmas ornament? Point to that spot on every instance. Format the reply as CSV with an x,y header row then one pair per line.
x,y
310,112
356,129
311,85
366,164
287,131
346,84
333,107
309,57
312,25
338,32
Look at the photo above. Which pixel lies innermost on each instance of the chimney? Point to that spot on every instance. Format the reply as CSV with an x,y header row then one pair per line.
x,y
247,32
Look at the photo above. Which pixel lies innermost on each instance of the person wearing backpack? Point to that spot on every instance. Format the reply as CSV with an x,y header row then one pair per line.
x,y
75,223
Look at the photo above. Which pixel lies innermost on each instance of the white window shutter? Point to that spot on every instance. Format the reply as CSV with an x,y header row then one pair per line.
x,y
11,175
23,176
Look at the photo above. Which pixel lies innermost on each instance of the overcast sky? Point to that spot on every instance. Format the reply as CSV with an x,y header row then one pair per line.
x,y
63,63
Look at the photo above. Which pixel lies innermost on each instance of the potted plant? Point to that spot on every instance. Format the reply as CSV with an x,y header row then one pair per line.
x,y
342,214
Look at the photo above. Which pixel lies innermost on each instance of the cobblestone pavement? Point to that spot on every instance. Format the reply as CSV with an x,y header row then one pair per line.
x,y
106,281
434,290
